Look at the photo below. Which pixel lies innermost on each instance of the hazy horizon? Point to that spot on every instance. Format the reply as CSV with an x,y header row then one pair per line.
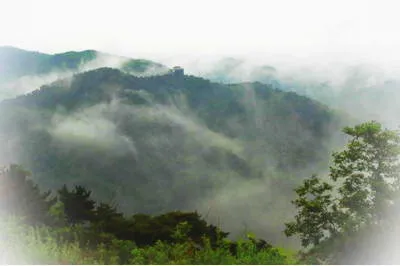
x,y
334,31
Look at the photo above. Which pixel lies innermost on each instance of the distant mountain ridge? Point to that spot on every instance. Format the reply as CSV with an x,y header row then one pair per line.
x,y
17,62
23,71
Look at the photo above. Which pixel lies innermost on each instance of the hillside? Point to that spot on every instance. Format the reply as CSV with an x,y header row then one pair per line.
x,y
154,144
23,71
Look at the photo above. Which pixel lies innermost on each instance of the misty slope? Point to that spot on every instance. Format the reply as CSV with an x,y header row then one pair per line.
x,y
158,143
363,91
23,71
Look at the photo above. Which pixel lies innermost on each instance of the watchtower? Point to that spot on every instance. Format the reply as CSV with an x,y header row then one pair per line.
x,y
177,71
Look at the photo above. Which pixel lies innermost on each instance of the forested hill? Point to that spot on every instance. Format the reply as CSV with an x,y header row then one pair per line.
x,y
230,100
153,144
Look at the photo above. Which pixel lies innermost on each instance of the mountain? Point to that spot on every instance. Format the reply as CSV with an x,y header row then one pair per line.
x,y
17,62
158,143
23,71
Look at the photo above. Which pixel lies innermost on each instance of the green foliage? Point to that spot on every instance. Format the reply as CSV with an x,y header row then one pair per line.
x,y
22,244
67,245
365,182
189,253
181,232
315,217
109,237
369,173
57,212
38,246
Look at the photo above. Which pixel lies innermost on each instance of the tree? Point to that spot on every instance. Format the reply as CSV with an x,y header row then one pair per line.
x,y
78,206
108,219
19,196
364,183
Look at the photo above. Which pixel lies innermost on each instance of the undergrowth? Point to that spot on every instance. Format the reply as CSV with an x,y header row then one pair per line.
x,y
23,244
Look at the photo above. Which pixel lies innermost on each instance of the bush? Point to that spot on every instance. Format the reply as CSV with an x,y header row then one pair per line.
x,y
23,244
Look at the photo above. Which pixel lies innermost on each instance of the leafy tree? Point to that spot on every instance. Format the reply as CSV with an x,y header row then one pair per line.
x,y
364,182
315,214
57,212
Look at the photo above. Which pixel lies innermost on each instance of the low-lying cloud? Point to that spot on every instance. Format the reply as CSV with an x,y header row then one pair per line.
x,y
88,128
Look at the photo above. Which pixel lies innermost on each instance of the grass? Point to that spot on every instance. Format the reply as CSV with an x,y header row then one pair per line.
x,y
23,244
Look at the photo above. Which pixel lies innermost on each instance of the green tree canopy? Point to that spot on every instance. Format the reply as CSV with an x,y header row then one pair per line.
x,y
363,186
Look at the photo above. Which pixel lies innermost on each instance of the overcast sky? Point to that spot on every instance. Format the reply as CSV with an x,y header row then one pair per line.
x,y
332,29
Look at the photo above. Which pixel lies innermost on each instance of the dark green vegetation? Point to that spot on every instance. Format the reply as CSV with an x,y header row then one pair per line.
x,y
342,219
70,228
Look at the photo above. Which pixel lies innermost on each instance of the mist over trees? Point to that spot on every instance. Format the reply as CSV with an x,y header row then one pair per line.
x,y
165,142
337,220
361,90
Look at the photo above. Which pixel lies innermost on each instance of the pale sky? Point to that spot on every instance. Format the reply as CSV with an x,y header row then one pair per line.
x,y
334,29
